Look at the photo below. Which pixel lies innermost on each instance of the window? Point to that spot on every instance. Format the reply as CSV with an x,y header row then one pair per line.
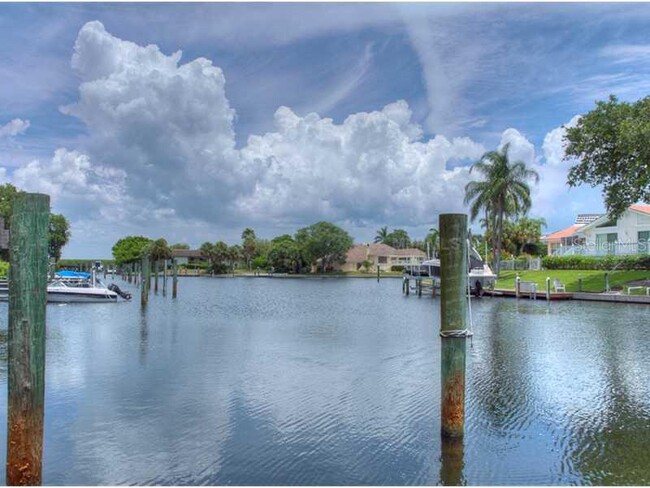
x,y
606,243
382,259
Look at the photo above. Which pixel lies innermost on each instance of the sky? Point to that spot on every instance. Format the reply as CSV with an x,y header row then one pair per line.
x,y
194,121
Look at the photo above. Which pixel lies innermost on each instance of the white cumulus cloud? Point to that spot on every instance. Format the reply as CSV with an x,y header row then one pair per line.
x,y
160,155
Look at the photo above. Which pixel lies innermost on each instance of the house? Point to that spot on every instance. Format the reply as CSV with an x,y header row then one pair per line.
x,y
380,255
629,234
561,239
187,256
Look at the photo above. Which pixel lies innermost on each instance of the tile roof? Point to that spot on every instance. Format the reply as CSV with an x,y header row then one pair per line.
x,y
639,207
409,252
568,232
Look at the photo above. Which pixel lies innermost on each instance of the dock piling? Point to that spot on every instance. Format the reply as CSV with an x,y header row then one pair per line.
x,y
453,321
517,280
144,282
548,289
164,286
175,279
28,244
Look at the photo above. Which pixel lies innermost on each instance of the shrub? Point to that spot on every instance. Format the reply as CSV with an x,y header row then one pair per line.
x,y
4,269
397,267
627,263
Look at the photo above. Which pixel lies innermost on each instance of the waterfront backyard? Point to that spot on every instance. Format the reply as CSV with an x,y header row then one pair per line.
x,y
337,381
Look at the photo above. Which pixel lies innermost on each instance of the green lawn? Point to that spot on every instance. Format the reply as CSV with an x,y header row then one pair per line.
x,y
592,280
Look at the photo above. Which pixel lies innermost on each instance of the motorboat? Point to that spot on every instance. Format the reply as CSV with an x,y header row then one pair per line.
x,y
478,273
76,287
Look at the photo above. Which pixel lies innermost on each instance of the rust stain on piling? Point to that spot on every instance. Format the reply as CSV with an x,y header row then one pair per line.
x,y
453,405
25,448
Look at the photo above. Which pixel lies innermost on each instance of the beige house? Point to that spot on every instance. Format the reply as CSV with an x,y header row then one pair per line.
x,y
380,255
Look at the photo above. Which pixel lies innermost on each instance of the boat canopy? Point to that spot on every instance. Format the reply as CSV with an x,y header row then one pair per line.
x,y
72,274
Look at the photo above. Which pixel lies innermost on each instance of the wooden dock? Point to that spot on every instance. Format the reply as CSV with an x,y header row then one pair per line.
x,y
541,295
592,297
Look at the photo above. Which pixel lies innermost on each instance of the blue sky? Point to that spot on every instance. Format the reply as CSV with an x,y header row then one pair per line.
x,y
276,116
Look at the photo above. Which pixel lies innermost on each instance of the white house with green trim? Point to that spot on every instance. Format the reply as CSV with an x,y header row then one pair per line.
x,y
629,234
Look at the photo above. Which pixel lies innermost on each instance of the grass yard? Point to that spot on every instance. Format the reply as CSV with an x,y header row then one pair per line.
x,y
592,280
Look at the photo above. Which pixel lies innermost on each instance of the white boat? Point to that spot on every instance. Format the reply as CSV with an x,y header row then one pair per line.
x,y
73,287
58,291
479,271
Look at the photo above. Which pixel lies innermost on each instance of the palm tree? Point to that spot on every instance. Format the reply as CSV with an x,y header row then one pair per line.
x,y
504,192
382,235
433,238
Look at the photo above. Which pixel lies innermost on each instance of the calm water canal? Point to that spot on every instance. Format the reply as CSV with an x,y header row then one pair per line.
x,y
336,381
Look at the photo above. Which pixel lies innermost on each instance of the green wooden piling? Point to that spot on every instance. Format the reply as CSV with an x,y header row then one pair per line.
x,y
452,461
175,280
164,279
453,321
26,339
144,292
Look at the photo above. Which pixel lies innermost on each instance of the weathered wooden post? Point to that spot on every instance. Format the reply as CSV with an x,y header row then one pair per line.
x,y
453,321
517,280
408,287
607,282
155,279
378,271
418,282
26,339
144,292
165,278
579,282
548,289
175,280
452,461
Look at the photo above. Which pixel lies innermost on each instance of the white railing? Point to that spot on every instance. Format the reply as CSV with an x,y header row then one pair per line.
x,y
534,264
603,249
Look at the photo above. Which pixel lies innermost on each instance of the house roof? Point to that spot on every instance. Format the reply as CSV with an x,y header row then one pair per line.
x,y
357,253
380,250
568,232
409,252
639,207
186,253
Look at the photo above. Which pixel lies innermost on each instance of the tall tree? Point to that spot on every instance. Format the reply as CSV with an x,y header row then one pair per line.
x,y
285,254
59,234
502,193
324,242
398,239
180,245
382,235
523,235
249,245
7,194
611,144
130,249
433,239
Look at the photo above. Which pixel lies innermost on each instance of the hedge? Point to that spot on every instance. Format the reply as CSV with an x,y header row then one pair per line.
x,y
397,267
607,263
